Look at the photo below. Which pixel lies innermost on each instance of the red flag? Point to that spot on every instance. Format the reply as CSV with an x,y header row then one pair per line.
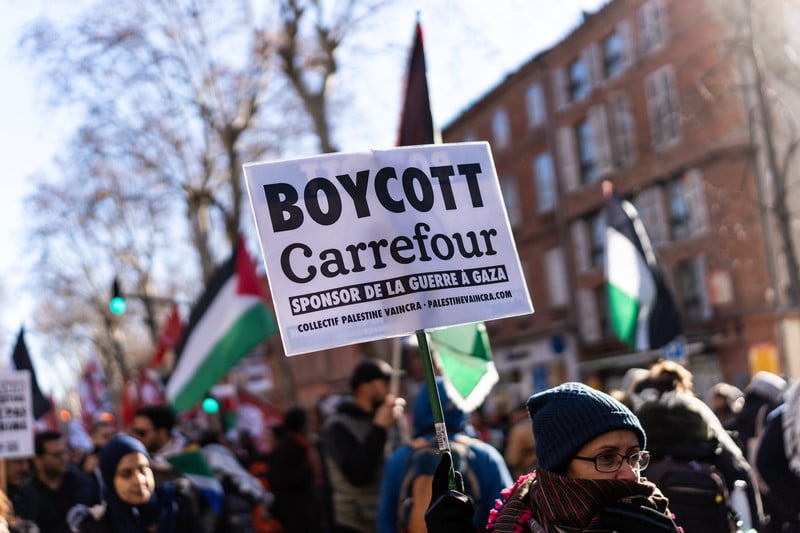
x,y
150,390
128,404
416,121
255,416
170,336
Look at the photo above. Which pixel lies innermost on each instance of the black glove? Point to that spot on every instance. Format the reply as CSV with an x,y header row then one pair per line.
x,y
450,511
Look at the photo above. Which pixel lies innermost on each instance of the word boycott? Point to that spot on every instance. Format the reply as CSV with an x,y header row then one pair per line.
x,y
323,201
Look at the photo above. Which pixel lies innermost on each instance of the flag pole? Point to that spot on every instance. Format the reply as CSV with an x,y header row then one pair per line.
x,y
436,403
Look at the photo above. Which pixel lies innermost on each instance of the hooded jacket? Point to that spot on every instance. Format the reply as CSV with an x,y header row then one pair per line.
x,y
488,465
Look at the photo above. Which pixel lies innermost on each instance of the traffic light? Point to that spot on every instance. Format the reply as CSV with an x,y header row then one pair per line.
x,y
210,405
117,304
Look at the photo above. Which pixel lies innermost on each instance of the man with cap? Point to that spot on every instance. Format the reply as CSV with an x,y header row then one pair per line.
x,y
591,451
354,438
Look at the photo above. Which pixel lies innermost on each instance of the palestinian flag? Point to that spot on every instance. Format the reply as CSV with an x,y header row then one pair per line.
x,y
416,120
641,308
193,465
230,319
462,353
464,358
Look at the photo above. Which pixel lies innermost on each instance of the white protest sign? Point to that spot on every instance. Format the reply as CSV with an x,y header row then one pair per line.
x,y
369,245
16,415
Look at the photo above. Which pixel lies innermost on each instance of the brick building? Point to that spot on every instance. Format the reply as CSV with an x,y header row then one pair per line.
x,y
646,94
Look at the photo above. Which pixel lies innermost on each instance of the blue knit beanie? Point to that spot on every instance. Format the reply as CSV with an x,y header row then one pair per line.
x,y
566,417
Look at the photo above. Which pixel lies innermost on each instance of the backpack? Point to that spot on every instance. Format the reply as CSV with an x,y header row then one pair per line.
x,y
415,490
698,495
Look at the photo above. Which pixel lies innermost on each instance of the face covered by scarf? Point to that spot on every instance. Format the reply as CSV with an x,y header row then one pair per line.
x,y
543,501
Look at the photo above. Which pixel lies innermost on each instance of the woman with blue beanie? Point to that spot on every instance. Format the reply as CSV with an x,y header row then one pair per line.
x,y
132,503
591,451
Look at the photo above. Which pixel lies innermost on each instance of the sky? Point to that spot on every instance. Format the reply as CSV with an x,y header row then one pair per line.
x,y
470,46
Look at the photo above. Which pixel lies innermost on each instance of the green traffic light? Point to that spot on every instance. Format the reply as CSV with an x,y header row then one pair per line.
x,y
210,405
118,305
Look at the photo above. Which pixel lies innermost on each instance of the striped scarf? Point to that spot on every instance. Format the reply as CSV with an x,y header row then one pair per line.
x,y
543,502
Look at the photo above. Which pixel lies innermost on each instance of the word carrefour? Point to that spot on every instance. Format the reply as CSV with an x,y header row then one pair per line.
x,y
322,201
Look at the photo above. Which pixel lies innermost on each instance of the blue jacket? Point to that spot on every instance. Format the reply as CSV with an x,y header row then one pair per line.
x,y
488,466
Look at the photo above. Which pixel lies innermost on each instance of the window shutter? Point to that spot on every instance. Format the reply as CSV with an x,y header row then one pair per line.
x,y
625,30
660,22
654,106
567,158
580,244
592,58
588,319
697,201
702,287
624,135
643,19
602,144
557,285
560,87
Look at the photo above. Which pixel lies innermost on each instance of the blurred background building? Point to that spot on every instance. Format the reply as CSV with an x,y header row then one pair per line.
x,y
677,103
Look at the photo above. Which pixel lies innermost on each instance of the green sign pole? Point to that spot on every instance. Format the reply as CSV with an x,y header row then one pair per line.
x,y
436,402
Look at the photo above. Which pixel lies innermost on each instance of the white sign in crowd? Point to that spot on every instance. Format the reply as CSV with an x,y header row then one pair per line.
x,y
369,245
16,415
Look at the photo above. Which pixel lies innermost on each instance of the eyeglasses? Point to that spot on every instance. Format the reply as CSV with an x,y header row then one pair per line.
x,y
611,462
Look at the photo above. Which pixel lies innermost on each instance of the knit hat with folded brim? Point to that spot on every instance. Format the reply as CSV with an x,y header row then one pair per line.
x,y
566,417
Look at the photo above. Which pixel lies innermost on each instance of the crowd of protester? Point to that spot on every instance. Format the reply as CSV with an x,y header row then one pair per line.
x,y
350,465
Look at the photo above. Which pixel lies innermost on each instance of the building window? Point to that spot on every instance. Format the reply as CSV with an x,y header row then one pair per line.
x,y
545,179
691,289
680,214
652,26
535,102
500,128
687,210
598,239
586,149
578,80
650,205
508,186
557,284
613,54
624,136
662,102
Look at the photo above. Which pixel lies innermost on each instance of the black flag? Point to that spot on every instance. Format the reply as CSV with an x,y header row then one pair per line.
x,y
22,361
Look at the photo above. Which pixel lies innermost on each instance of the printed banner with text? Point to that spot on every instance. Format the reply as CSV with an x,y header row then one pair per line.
x,y
369,245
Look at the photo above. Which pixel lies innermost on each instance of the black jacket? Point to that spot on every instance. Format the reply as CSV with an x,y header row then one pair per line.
x,y
48,508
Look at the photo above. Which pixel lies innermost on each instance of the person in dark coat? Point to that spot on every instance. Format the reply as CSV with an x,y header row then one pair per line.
x,y
778,462
591,451
293,475
682,426
57,485
132,503
354,440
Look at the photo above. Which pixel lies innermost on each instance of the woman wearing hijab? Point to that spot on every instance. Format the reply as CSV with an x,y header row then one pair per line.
x,y
132,503
591,451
